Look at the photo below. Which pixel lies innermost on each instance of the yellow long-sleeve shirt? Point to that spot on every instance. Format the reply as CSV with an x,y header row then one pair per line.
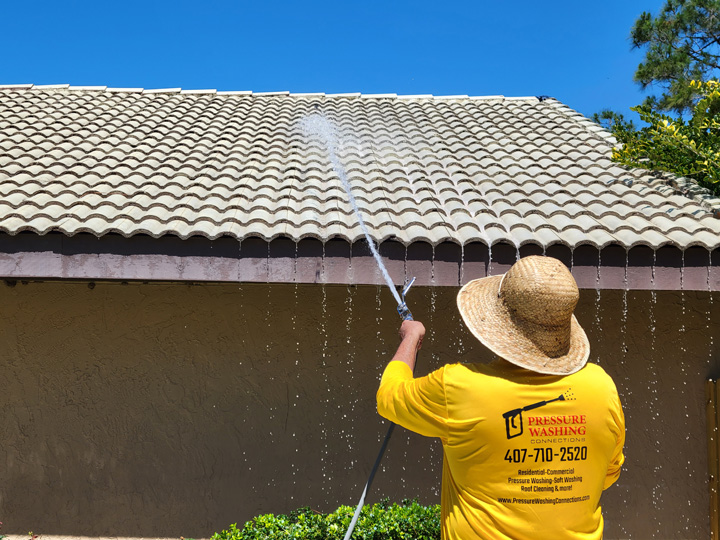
x,y
526,455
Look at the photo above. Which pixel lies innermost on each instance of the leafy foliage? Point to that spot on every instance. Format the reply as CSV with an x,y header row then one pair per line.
x,y
686,148
682,44
381,521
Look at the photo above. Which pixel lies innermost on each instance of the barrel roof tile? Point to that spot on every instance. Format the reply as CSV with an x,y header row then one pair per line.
x,y
422,168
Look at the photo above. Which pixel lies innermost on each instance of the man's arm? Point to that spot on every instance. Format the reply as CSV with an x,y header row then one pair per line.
x,y
416,404
411,336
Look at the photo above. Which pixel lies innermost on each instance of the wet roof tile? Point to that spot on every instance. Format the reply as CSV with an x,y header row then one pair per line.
x,y
205,163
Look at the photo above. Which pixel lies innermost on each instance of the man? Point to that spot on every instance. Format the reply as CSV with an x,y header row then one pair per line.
x,y
530,440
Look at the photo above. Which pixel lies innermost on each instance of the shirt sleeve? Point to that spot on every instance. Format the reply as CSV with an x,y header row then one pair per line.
x,y
416,404
618,458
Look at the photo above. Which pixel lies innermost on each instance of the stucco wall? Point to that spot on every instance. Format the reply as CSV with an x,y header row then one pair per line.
x,y
170,409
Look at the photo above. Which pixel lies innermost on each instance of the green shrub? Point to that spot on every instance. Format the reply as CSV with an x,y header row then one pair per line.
x,y
689,148
381,521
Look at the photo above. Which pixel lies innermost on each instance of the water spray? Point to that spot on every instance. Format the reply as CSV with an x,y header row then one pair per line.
x,y
317,124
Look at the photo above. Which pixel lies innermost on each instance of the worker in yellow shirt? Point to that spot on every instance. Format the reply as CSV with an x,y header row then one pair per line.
x,y
531,439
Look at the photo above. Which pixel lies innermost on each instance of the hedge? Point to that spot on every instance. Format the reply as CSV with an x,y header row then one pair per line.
x,y
381,521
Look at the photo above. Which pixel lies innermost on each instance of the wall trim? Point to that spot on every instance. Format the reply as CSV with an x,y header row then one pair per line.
x,y
28,256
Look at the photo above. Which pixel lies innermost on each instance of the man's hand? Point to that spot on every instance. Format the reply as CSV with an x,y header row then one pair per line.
x,y
414,331
411,336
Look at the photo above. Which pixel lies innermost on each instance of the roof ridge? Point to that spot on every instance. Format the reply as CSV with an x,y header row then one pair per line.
x,y
692,190
583,121
178,90
681,185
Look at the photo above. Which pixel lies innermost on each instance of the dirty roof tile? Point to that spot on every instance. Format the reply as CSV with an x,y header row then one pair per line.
x,y
205,163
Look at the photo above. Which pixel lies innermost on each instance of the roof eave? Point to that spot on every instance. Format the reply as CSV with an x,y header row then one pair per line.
x,y
28,256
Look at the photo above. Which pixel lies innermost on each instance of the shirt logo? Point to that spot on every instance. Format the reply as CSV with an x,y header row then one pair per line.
x,y
514,419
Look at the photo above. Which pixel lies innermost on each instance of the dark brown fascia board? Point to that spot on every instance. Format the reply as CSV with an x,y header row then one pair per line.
x,y
198,259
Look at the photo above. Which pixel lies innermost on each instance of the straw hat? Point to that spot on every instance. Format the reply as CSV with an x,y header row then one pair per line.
x,y
526,316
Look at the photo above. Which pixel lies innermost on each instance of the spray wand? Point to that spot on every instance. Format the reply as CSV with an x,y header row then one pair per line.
x,y
317,124
405,315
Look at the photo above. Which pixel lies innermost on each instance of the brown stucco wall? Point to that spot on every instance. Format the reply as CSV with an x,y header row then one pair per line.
x,y
172,409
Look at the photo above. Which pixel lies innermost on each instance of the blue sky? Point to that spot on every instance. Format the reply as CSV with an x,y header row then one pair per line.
x,y
576,51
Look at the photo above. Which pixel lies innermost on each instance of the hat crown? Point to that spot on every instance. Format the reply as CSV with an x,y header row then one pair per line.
x,y
526,316
540,290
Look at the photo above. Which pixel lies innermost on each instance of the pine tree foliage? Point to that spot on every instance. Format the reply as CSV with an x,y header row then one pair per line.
x,y
613,121
682,44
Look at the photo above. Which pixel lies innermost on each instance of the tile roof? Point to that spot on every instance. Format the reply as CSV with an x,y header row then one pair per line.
x,y
423,168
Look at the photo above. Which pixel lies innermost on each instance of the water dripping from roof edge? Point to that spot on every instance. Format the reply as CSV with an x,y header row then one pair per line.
x,y
683,361
682,270
322,265
379,340
652,268
598,323
433,297
295,261
268,321
627,263
709,281
239,251
323,324
654,398
325,401
351,391
489,266
293,317
350,272
432,266
293,322
267,264
624,321
709,312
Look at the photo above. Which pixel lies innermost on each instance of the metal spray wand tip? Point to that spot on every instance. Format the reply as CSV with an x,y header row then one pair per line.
x,y
402,309
407,288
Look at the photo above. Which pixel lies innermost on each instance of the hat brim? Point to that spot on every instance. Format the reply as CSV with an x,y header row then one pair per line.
x,y
488,319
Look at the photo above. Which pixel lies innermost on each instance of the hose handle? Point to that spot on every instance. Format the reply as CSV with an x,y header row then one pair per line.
x,y
404,312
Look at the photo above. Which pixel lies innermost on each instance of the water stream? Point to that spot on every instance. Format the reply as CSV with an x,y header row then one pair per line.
x,y
318,125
